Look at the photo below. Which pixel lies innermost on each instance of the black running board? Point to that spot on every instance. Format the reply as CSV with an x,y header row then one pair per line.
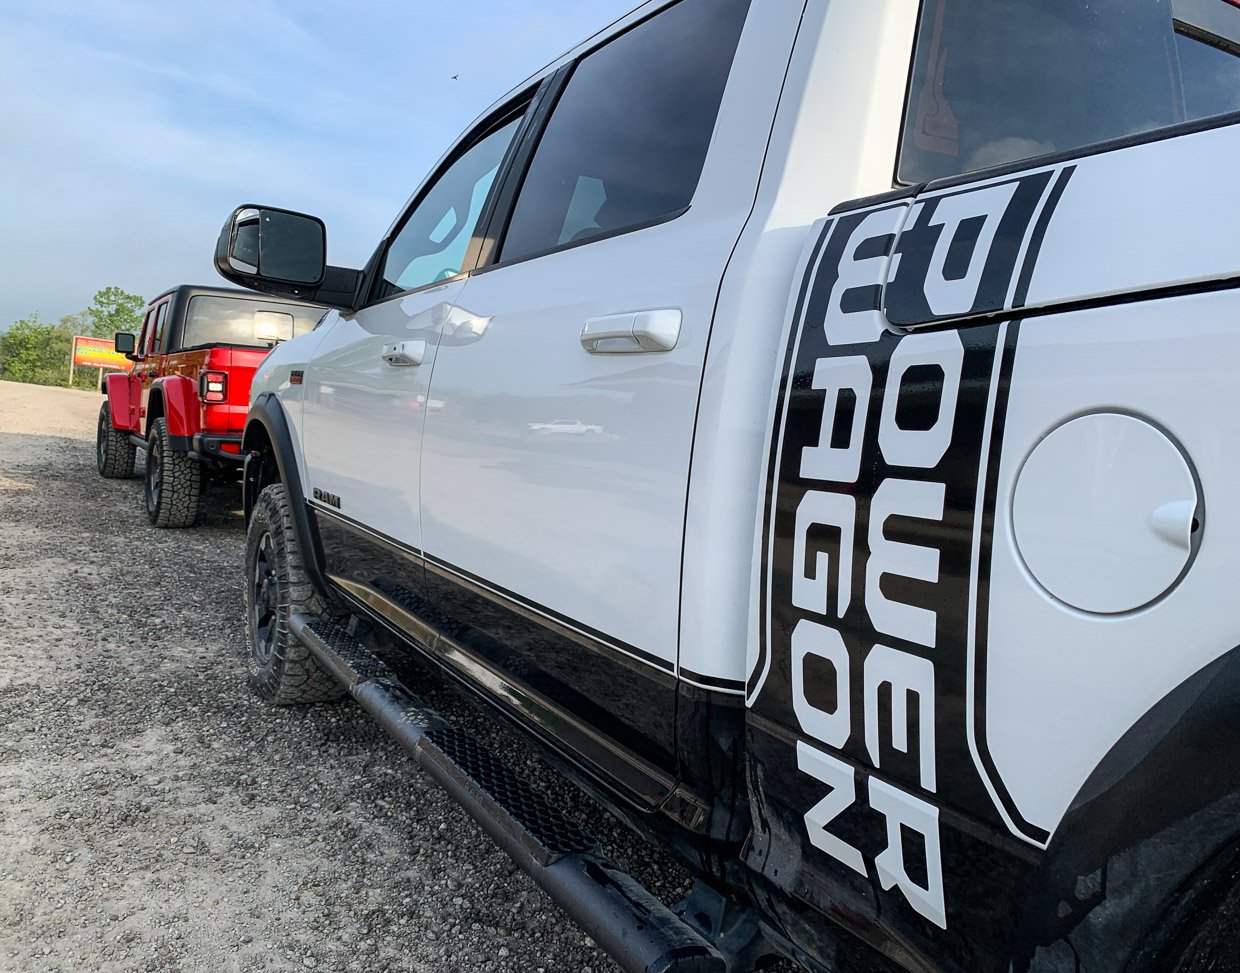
x,y
637,930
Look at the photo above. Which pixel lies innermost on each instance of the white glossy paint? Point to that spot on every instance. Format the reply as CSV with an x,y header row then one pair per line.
x,y
363,417
853,56
592,526
1168,230
274,375
1052,700
1094,513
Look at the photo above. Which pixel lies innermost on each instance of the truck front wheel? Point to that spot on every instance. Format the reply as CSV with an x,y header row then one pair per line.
x,y
114,452
281,669
172,481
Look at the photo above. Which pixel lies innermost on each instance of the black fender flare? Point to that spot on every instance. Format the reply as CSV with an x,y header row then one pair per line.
x,y
268,439
1147,840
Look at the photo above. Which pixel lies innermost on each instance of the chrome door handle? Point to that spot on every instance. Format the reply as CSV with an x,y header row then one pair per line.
x,y
405,353
632,333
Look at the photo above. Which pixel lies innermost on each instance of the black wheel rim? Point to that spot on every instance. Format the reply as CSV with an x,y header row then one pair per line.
x,y
154,477
101,440
264,602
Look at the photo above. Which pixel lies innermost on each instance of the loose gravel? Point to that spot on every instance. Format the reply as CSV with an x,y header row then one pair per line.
x,y
156,816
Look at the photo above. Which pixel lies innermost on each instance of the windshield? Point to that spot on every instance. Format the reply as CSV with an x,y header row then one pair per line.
x,y
998,81
241,321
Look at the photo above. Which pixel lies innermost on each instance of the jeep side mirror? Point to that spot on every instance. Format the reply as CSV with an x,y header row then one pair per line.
x,y
260,245
125,343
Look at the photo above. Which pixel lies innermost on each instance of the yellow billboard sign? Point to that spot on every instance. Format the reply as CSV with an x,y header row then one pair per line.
x,y
98,353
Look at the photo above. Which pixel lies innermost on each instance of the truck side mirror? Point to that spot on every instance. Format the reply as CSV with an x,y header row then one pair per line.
x,y
125,343
262,245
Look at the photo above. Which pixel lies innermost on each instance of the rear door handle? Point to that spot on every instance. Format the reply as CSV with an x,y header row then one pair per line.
x,y
405,353
633,333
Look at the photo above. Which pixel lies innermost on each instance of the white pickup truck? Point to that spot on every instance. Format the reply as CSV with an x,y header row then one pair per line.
x,y
896,591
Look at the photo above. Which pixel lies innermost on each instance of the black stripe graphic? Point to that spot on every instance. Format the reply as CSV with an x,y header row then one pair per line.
x,y
1039,234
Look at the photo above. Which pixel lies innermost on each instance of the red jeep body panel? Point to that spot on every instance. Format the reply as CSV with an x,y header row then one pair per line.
x,y
184,407
125,411
169,380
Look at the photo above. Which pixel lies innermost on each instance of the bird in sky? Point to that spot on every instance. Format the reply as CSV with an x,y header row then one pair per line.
x,y
455,76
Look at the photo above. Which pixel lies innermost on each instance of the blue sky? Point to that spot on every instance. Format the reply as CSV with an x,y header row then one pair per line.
x,y
131,128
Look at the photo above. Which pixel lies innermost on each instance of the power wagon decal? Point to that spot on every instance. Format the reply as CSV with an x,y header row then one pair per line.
x,y
877,540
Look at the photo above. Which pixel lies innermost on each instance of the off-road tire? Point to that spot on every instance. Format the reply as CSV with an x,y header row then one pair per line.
x,y
172,481
281,669
114,451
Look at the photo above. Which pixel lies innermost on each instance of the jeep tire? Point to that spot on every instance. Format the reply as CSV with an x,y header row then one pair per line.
x,y
172,480
114,451
281,669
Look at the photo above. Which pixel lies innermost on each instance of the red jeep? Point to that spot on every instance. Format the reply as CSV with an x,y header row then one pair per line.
x,y
186,400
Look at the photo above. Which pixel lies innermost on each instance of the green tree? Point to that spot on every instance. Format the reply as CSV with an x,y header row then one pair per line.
x,y
70,325
38,352
35,352
113,309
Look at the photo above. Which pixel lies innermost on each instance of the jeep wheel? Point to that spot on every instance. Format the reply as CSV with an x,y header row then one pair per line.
x,y
114,453
281,669
172,479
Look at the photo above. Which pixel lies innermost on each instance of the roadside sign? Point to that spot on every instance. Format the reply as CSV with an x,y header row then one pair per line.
x,y
98,353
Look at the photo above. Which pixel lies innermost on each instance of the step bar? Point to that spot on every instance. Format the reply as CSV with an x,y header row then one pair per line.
x,y
637,930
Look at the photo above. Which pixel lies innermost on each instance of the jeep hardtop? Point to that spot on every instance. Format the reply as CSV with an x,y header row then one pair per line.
x,y
186,398
896,593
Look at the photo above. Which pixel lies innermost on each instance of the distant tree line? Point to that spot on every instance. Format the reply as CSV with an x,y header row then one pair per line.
x,y
38,352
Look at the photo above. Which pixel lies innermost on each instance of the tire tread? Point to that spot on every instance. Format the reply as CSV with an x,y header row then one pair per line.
x,y
293,675
119,453
182,480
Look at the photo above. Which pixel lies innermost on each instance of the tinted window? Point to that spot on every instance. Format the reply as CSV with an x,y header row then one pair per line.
x,y
145,332
159,328
626,143
256,324
1210,77
998,81
433,242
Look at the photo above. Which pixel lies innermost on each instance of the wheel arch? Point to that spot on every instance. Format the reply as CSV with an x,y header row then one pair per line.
x,y
154,408
271,457
176,398
1149,837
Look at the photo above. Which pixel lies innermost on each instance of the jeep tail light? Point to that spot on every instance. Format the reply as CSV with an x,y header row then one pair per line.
x,y
213,387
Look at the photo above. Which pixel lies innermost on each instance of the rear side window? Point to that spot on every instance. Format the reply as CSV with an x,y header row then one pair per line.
x,y
145,332
998,81
255,324
627,140
160,328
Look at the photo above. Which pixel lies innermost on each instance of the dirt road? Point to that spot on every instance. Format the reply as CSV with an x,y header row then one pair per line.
x,y
155,816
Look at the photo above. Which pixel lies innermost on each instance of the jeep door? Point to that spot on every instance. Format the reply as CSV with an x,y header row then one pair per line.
x,y
557,556
366,396
148,368
1000,539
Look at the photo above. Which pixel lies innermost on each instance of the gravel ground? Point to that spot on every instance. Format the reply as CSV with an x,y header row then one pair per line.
x,y
156,816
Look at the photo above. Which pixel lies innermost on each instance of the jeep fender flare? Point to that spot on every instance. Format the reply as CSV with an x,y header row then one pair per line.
x,y
271,457
1148,839
175,397
116,388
